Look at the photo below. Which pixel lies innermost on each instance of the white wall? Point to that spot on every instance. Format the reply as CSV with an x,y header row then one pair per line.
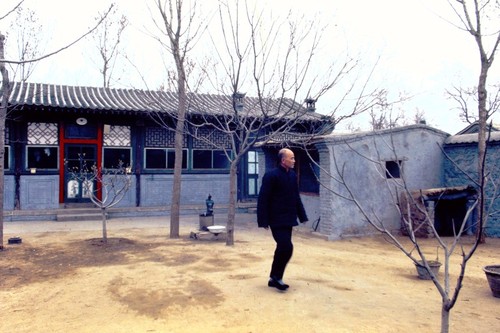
x,y
360,158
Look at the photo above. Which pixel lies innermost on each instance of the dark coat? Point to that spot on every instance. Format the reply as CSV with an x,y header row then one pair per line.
x,y
279,202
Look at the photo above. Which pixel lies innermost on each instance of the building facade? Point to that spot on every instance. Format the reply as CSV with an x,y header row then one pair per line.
x,y
373,168
52,130
460,169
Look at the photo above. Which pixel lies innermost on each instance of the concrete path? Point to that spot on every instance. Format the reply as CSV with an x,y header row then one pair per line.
x,y
243,221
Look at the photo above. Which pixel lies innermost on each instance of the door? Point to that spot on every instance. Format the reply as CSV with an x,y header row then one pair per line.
x,y
252,175
78,172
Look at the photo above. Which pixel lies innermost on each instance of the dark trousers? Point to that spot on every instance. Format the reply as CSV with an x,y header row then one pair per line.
x,y
283,252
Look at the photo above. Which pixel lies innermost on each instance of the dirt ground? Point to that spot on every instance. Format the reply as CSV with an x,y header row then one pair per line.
x,y
66,280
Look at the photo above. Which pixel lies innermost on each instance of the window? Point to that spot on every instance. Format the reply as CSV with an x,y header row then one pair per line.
x,y
393,169
252,172
210,159
75,131
6,158
42,151
220,160
113,155
41,157
158,158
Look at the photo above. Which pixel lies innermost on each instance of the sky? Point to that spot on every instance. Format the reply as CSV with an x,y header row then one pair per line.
x,y
417,51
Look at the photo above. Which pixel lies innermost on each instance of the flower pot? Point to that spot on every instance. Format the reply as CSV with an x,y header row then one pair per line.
x,y
493,277
422,271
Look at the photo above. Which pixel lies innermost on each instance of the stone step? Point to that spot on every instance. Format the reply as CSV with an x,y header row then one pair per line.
x,y
252,210
79,215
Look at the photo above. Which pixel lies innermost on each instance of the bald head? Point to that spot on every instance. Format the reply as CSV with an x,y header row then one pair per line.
x,y
286,158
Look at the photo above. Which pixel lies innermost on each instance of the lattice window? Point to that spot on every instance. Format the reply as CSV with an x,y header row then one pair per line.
x,y
209,139
42,134
160,137
116,136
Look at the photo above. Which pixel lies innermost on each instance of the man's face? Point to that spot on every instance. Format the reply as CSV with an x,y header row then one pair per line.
x,y
288,160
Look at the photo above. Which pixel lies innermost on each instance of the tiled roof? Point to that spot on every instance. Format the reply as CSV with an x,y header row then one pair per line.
x,y
39,95
471,138
356,136
474,128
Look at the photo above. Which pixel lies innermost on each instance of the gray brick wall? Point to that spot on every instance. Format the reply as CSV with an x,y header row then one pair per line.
x,y
9,192
460,169
39,192
156,190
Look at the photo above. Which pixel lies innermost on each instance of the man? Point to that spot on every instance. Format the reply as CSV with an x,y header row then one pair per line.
x,y
278,207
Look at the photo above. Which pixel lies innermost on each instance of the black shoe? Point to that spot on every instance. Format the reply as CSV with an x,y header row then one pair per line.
x,y
275,283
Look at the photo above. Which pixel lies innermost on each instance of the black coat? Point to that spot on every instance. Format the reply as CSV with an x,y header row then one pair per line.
x,y
279,202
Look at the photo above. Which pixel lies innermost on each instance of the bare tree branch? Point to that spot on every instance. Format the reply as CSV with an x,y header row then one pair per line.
x,y
6,61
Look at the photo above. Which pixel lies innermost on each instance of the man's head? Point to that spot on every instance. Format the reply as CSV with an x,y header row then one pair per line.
x,y
286,158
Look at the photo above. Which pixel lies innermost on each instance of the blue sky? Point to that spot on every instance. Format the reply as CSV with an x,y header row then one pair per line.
x,y
420,53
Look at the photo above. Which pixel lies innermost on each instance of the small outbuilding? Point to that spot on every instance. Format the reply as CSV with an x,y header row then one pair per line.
x,y
444,210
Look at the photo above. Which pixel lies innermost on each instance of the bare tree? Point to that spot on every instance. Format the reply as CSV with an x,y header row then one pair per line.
x,y
476,18
25,32
415,208
105,188
4,98
390,113
467,100
179,30
390,118
108,38
274,61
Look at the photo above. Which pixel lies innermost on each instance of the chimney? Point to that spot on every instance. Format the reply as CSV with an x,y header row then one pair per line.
x,y
310,104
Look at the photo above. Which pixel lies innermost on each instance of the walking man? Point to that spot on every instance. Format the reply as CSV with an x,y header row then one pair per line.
x,y
278,207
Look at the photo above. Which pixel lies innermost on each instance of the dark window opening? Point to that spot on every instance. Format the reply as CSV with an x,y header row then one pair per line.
x,y
113,156
156,159
220,160
41,157
75,131
163,158
393,169
210,159
6,158
171,159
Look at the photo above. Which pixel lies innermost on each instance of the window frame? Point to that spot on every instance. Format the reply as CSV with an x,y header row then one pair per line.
x,y
117,147
167,152
28,156
212,159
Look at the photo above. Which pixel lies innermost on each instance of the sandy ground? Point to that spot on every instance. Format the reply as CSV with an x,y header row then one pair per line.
x,y
63,279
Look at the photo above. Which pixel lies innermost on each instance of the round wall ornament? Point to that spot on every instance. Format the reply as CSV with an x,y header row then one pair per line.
x,y
81,121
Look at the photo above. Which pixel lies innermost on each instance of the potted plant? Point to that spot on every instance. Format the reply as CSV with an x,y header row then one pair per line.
x,y
422,271
493,277
434,265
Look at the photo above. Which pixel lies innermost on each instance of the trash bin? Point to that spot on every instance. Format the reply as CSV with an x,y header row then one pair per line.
x,y
206,221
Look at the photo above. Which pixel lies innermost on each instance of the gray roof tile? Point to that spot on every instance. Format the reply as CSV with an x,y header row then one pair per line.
x,y
135,100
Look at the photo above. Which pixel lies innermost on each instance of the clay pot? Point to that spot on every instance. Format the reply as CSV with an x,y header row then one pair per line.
x,y
493,277
422,271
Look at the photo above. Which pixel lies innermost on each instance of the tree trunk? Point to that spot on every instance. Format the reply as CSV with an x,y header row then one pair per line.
x,y
104,228
176,187
482,95
445,318
231,214
4,92
179,136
